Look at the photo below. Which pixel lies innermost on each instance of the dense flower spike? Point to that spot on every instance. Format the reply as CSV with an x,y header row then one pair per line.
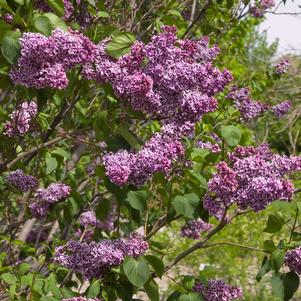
x,y
282,108
293,260
157,155
257,10
21,181
20,119
95,259
248,108
45,197
193,228
255,178
45,60
282,66
217,290
177,83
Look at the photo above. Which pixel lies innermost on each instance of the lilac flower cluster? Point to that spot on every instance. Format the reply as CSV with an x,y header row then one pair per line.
x,y
20,119
95,259
177,83
213,147
47,197
157,155
282,66
293,260
88,219
193,228
258,9
254,179
45,60
248,108
8,18
282,108
42,6
80,299
21,181
217,290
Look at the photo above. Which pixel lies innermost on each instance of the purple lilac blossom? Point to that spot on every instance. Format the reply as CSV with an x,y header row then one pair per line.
x,y
42,6
248,108
21,119
193,228
217,290
45,197
213,147
95,259
258,9
45,60
282,66
8,18
255,178
282,108
88,219
21,181
293,260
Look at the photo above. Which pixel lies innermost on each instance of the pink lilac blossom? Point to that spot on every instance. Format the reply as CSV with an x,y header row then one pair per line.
x,y
95,259
177,83
45,61
248,108
21,181
213,147
217,290
282,108
45,197
157,155
282,66
293,260
193,228
8,18
21,119
255,178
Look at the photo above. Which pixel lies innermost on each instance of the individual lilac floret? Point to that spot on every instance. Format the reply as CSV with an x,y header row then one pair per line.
x,y
293,260
80,299
193,228
45,60
157,155
95,259
282,108
282,66
21,119
248,108
213,147
21,181
8,18
45,197
254,178
217,290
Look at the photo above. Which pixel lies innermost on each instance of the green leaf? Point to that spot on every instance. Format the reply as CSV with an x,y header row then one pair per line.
x,y
265,268
291,283
10,47
48,298
103,209
137,199
190,297
53,286
152,290
277,259
61,152
57,5
3,4
23,268
125,290
277,285
274,224
231,134
136,270
156,263
186,204
269,246
9,278
120,44
94,289
43,25
56,22
51,165
129,137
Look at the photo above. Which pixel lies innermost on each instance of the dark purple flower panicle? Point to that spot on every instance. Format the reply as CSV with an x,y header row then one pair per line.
x,y
8,18
259,8
193,228
217,290
255,178
42,6
21,119
248,108
282,108
45,60
45,197
293,260
21,181
282,66
95,259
